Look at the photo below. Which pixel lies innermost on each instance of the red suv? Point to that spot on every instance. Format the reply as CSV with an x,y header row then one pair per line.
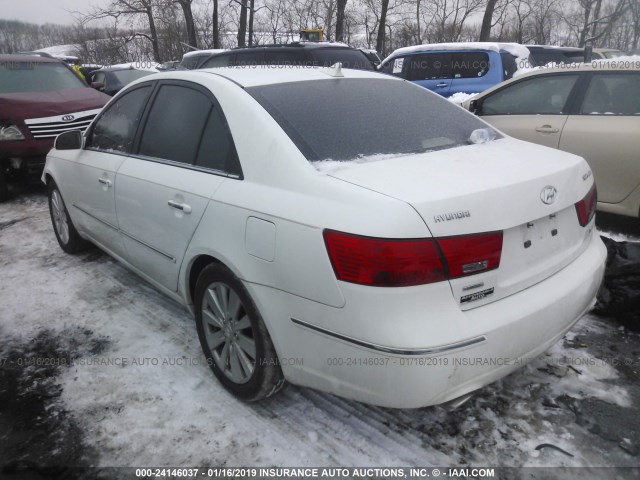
x,y
40,98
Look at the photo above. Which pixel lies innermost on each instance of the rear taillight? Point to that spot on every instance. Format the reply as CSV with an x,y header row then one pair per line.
x,y
384,262
586,208
471,254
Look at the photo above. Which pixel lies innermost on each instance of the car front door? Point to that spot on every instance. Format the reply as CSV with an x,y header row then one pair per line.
x,y
93,177
606,132
533,109
165,187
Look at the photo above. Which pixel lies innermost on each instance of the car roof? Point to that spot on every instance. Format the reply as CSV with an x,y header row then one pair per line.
x,y
27,58
269,75
555,48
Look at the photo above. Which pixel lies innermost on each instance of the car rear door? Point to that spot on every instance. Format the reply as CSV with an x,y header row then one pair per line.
x,y
474,72
430,70
92,177
182,156
606,131
534,109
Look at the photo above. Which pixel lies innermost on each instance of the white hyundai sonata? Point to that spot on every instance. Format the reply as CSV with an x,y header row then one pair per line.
x,y
342,230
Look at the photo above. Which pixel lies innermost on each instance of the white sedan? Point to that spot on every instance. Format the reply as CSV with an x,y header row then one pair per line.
x,y
342,230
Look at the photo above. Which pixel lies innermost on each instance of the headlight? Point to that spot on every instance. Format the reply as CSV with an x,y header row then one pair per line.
x,y
10,132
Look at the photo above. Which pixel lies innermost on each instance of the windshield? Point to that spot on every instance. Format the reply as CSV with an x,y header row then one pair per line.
x,y
125,77
349,119
25,76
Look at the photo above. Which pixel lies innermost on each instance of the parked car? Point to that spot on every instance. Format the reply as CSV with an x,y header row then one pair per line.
x,y
342,251
190,60
605,53
448,68
40,97
592,110
111,80
373,56
551,54
318,54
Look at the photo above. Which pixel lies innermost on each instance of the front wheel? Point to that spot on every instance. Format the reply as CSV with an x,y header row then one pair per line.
x,y
233,336
68,237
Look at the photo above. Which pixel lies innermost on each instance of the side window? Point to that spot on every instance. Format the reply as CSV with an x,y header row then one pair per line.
x,y
175,123
613,94
509,65
430,66
116,127
284,57
217,61
249,58
395,66
217,150
469,64
544,95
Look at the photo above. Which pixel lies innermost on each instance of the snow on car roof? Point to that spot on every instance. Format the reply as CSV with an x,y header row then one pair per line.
x,y
195,53
270,74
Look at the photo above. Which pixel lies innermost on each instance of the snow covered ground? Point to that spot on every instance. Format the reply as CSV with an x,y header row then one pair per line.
x,y
129,386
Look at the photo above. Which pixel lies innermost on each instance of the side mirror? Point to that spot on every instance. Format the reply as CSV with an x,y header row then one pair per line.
x,y
69,141
97,85
475,107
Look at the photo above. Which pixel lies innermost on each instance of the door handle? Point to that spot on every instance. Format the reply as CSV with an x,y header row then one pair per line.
x,y
441,84
547,129
105,181
180,206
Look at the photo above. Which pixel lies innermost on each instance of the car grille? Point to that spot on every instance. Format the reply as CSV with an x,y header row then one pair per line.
x,y
51,127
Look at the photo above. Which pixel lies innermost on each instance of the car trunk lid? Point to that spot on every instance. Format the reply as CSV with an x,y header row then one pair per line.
x,y
498,186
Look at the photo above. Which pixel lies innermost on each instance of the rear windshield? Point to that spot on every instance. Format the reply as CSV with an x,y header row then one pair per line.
x,y
22,77
325,57
125,77
349,119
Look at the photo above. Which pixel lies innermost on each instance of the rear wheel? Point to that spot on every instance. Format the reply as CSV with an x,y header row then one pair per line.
x,y
233,336
68,237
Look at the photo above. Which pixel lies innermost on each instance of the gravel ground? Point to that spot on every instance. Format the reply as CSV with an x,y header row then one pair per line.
x,y
99,369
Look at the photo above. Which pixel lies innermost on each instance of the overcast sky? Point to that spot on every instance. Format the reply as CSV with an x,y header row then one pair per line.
x,y
44,11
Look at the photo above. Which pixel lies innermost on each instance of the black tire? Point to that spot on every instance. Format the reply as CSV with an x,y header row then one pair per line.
x,y
266,377
4,187
71,241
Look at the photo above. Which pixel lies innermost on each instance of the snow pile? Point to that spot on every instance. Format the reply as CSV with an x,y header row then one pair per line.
x,y
460,97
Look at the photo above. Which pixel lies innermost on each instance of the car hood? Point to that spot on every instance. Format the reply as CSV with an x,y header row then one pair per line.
x,y
19,106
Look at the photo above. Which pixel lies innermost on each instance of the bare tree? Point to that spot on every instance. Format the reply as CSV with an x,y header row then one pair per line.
x,y
485,30
341,5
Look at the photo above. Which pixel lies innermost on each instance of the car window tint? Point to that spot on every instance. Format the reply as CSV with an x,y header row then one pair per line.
x,y
469,64
217,61
175,123
116,127
613,94
546,94
217,150
284,57
430,66
350,58
346,124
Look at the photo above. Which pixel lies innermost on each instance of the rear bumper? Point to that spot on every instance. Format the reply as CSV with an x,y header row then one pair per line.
x,y
432,353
